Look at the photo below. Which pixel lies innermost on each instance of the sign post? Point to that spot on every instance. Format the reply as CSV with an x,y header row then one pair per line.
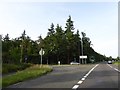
x,y
83,57
41,52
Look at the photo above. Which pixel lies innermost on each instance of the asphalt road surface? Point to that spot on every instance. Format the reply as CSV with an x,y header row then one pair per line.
x,y
100,75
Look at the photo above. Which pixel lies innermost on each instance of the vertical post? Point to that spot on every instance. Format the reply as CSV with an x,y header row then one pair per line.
x,y
21,57
47,61
58,62
79,50
82,49
41,52
1,60
85,61
41,56
41,60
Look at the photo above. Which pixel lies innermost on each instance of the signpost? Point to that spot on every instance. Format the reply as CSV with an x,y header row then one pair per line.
x,y
41,52
83,57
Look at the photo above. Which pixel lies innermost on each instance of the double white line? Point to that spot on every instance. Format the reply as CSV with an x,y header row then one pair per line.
x,y
81,81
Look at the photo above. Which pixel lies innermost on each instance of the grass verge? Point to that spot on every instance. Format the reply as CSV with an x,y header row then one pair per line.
x,y
8,68
117,63
28,73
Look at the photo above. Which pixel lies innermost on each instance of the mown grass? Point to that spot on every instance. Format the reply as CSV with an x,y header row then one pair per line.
x,y
28,73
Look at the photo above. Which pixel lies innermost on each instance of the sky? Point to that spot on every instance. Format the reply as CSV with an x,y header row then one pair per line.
x,y
99,20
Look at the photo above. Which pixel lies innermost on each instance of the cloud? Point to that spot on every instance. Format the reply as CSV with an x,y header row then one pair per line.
x,y
109,47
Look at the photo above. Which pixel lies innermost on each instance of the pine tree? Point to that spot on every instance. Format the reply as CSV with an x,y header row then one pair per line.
x,y
69,37
51,30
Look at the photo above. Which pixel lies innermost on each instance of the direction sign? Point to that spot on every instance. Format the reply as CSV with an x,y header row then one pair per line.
x,y
83,57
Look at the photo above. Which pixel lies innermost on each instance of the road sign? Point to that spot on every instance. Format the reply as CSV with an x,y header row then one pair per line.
x,y
83,57
41,52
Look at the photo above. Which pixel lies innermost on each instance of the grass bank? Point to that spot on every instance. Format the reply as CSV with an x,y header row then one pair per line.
x,y
8,68
31,72
117,63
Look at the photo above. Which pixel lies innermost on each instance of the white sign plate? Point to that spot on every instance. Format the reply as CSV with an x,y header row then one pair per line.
x,y
83,56
41,52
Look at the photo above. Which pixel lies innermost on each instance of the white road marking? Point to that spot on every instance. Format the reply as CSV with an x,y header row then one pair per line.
x,y
85,76
109,66
83,79
80,82
75,86
114,68
88,72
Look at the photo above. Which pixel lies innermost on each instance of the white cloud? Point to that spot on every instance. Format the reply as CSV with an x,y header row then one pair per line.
x,y
109,47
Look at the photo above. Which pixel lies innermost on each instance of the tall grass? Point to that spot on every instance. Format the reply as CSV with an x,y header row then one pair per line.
x,y
7,68
28,73
117,63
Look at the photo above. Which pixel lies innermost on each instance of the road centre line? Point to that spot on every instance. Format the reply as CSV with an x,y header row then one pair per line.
x,y
85,76
81,81
75,86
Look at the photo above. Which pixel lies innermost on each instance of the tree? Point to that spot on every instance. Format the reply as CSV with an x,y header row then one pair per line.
x,y
6,38
69,37
69,25
77,40
24,46
40,42
59,43
6,45
51,30
118,58
86,40
49,43
110,58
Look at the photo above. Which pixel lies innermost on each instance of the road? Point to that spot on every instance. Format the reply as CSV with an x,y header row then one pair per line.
x,y
99,75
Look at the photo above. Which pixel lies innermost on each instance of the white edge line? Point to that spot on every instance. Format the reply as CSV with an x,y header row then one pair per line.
x,y
114,68
75,86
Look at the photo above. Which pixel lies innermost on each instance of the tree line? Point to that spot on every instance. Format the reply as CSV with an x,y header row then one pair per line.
x,y
64,45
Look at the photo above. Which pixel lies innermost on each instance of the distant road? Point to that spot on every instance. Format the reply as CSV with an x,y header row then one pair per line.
x,y
78,76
